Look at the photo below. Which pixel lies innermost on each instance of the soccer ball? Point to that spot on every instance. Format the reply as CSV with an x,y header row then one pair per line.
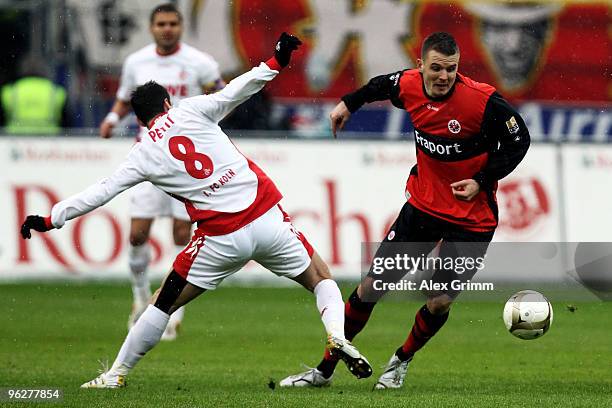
x,y
528,314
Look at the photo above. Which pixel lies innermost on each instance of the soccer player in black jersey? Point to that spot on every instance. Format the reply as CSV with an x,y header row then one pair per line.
x,y
467,138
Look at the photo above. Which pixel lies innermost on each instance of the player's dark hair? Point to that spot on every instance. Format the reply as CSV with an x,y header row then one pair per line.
x,y
442,42
148,101
165,8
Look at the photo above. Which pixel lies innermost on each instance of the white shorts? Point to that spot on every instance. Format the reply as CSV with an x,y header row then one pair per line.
x,y
270,240
148,201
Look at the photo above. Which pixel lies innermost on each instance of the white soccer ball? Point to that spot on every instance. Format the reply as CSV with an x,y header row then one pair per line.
x,y
528,314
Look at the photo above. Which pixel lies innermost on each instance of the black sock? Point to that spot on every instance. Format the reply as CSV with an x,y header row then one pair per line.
x,y
327,367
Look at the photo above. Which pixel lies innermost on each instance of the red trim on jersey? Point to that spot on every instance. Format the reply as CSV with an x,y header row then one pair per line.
x,y
300,235
184,260
152,121
48,223
286,217
272,63
212,222
174,51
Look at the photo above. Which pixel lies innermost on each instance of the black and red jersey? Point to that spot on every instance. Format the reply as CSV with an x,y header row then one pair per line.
x,y
469,133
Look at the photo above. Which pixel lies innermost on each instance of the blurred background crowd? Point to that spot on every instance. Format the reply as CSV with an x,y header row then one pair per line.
x,y
61,60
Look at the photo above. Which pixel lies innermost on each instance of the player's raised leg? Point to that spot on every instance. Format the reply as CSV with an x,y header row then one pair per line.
x,y
181,231
146,333
356,316
139,256
362,300
317,278
357,312
285,251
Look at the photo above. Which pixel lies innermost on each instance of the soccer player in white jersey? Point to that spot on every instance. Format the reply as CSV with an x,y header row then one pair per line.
x,y
184,71
235,205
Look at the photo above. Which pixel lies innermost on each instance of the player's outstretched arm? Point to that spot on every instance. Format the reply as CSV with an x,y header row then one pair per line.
x,y
96,195
380,88
216,106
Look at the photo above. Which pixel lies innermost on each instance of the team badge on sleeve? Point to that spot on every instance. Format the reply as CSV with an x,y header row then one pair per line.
x,y
395,78
512,126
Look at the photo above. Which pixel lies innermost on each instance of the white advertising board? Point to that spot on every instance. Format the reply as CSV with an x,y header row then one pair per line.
x,y
587,172
339,194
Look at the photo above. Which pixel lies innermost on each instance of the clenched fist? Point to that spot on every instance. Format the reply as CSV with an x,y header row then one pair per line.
x,y
36,223
285,45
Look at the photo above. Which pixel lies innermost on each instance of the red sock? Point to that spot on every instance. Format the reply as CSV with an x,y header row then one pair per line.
x,y
426,325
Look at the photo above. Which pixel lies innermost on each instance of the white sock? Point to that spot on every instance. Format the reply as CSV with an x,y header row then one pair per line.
x,y
331,307
177,317
139,258
143,337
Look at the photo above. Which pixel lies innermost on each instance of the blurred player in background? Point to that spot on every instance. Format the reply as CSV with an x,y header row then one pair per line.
x,y
467,138
235,205
183,71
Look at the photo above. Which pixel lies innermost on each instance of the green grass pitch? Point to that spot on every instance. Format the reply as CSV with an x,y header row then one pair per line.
x,y
235,341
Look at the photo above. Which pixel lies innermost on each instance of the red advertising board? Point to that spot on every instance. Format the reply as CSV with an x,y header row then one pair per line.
x,y
550,51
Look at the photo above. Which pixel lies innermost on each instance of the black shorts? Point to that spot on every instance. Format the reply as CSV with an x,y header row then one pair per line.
x,y
416,234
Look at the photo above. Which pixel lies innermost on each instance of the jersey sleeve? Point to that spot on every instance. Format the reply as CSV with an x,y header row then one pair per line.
x,y
380,88
217,105
127,82
509,137
127,175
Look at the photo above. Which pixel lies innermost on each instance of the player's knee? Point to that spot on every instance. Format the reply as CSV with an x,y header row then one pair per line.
x,y
439,305
322,271
313,275
138,238
319,273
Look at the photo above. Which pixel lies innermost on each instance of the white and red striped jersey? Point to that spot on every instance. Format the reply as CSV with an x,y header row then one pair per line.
x,y
186,154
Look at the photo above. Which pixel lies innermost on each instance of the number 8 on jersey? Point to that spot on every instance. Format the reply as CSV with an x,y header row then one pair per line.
x,y
183,149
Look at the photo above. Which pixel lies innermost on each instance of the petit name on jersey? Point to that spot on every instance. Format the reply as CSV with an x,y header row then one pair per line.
x,y
157,133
